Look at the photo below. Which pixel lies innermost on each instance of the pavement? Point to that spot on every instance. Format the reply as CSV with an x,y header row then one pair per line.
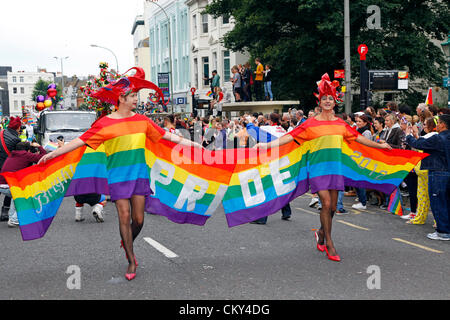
x,y
382,258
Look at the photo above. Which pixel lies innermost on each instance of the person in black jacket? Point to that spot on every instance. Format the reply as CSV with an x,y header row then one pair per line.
x,y
438,166
9,140
394,134
268,83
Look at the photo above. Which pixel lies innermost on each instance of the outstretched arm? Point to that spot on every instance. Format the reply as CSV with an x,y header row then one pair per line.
x,y
180,140
74,144
363,140
276,143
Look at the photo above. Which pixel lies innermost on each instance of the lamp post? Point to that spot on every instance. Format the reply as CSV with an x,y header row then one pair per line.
x,y
170,51
348,75
117,63
446,48
62,78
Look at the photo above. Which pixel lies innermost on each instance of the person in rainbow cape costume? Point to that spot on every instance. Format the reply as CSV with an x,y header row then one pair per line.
x,y
325,129
123,135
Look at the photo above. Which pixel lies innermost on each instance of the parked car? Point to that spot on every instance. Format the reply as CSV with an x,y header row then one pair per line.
x,y
69,124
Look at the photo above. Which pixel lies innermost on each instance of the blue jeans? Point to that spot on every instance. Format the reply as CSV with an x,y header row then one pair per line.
x,y
340,204
362,196
268,89
12,210
285,211
439,190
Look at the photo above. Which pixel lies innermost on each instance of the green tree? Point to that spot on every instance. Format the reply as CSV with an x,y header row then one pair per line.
x,y
303,39
40,89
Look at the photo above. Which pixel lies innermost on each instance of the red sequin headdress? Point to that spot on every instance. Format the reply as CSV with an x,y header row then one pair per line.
x,y
125,85
327,88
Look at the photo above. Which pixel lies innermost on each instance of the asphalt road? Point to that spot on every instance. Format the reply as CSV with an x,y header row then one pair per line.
x,y
277,261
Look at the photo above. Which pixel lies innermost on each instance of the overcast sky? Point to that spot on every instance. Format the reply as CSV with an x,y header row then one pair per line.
x,y
33,32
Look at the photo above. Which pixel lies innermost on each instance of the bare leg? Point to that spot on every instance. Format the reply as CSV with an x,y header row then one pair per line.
x,y
137,215
123,209
328,198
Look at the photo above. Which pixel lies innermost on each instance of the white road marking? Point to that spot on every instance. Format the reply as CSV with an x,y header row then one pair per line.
x,y
155,244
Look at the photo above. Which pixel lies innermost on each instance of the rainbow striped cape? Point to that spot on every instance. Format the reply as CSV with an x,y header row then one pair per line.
x,y
189,184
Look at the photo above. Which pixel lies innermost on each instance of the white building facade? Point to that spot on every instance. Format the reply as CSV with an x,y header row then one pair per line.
x,y
20,86
158,27
206,52
140,35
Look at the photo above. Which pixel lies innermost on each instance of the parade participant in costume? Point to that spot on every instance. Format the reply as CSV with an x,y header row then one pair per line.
x,y
124,135
327,190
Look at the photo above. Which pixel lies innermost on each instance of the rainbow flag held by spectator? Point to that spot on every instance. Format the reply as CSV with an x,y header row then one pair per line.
x,y
395,203
429,99
209,94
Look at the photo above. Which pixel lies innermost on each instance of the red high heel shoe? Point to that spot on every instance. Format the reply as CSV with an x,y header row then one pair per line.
x,y
332,258
320,247
135,260
130,276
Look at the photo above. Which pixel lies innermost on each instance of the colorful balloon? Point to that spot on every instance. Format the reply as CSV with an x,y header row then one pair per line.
x,y
48,103
40,106
51,86
52,92
40,99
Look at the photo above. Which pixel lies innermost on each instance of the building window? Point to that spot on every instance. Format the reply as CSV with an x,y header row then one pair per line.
x,y
14,79
194,24
14,90
22,90
22,103
214,22
16,104
204,23
226,66
225,19
21,79
214,61
196,72
205,62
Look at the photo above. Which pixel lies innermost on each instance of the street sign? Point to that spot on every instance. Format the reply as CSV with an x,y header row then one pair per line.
x,y
339,74
363,50
388,80
164,84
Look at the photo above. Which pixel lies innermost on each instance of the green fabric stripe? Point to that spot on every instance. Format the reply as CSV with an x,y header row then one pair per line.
x,y
175,188
126,158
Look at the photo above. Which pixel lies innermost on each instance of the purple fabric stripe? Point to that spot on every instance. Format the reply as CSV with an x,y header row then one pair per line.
x,y
386,188
339,182
126,189
35,230
88,185
154,206
251,214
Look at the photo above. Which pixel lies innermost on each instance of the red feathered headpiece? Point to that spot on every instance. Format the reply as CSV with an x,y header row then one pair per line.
x,y
125,85
327,88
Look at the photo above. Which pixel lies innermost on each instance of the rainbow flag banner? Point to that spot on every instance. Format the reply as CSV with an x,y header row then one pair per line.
x,y
210,94
189,184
